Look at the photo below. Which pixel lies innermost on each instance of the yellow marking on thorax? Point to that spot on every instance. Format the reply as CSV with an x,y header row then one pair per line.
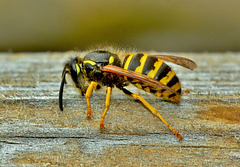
x,y
128,61
90,62
168,77
157,65
142,61
111,60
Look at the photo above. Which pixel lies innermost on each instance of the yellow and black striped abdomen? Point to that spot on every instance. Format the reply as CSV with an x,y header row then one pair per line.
x,y
154,68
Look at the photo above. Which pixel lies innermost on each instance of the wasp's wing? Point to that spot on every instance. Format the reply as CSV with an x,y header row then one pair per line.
x,y
187,63
138,76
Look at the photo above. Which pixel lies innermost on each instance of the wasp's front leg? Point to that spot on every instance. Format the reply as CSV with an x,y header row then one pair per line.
x,y
88,95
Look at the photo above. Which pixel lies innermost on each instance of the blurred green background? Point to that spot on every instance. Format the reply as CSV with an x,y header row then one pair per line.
x,y
160,25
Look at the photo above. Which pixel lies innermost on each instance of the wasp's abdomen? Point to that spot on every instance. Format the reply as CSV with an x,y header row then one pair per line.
x,y
154,68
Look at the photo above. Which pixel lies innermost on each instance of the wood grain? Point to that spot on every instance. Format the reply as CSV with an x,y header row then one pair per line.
x,y
34,132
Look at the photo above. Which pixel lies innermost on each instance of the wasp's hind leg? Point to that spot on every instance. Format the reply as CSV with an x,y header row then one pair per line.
x,y
88,95
153,110
109,90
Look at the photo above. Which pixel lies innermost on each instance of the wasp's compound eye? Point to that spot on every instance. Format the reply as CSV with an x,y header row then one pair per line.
x,y
74,73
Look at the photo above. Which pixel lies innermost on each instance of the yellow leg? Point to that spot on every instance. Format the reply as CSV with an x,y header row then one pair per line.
x,y
154,111
106,106
88,95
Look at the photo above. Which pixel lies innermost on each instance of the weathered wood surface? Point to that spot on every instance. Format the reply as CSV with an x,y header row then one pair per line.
x,y
33,131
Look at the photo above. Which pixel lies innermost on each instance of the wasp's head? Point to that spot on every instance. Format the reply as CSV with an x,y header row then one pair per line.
x,y
74,68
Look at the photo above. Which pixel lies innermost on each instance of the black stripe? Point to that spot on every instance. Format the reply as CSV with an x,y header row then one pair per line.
x,y
153,91
172,95
143,87
163,90
135,62
179,91
162,72
173,81
149,65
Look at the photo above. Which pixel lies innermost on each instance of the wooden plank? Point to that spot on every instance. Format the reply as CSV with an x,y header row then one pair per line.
x,y
34,132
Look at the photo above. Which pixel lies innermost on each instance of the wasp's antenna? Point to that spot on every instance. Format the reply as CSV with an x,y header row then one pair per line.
x,y
61,89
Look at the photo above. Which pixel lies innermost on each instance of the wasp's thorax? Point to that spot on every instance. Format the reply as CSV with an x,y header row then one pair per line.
x,y
95,61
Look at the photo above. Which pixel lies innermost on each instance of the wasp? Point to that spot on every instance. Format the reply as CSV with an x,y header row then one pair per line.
x,y
147,72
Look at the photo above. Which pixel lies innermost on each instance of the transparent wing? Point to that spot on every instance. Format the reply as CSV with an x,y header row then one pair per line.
x,y
187,63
